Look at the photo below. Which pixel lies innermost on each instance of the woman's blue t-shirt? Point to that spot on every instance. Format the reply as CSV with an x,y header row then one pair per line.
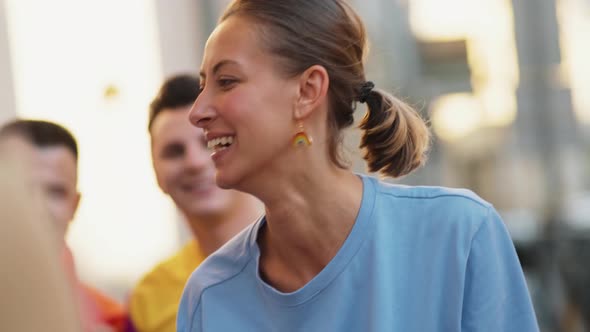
x,y
416,259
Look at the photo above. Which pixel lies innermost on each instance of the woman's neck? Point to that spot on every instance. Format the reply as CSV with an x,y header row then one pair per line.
x,y
308,220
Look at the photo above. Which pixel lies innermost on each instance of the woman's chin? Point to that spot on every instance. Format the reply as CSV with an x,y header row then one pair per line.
x,y
224,181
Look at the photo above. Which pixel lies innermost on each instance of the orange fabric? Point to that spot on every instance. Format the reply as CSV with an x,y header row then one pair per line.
x,y
110,312
96,309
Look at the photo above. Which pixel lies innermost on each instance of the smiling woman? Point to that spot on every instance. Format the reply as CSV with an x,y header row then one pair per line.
x,y
335,251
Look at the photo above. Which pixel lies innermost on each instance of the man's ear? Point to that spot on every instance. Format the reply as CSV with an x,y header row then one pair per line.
x,y
313,90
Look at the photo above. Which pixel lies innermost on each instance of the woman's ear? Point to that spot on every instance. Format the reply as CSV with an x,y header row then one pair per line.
x,y
313,90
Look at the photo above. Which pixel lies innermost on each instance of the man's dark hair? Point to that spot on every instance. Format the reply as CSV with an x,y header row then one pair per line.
x,y
177,91
41,134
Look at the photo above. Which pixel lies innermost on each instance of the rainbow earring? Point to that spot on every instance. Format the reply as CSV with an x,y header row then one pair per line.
x,y
301,138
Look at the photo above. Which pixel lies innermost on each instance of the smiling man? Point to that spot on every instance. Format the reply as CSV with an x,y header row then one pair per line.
x,y
185,171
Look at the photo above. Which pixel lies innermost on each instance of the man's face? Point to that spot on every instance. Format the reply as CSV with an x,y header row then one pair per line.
x,y
55,172
184,168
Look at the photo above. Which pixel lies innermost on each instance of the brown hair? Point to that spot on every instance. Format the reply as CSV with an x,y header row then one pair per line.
x,y
177,91
303,33
41,134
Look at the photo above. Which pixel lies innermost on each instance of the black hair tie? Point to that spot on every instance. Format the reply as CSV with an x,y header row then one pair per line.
x,y
366,89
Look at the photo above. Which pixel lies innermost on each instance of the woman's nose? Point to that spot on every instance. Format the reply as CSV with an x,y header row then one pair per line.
x,y
201,113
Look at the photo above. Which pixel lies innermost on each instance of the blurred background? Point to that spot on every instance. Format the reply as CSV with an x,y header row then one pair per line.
x,y
505,85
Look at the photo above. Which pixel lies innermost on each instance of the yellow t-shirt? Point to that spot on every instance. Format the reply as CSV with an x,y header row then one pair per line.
x,y
154,302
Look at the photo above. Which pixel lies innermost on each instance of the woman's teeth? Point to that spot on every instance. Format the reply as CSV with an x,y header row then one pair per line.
x,y
219,143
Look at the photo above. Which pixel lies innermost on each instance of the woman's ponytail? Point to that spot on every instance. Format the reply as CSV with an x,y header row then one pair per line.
x,y
395,139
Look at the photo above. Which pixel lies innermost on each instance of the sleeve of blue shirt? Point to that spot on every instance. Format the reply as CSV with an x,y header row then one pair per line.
x,y
495,296
187,314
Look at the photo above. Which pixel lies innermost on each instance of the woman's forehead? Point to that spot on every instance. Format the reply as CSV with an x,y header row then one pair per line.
x,y
233,40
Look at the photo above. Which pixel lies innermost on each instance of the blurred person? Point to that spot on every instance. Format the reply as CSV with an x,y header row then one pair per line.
x,y
35,293
53,167
335,250
185,171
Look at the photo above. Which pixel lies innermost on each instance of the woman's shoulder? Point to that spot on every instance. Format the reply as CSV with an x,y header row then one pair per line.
x,y
432,205
223,264
436,195
448,214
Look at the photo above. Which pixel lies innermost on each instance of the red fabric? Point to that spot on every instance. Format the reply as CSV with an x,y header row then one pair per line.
x,y
110,312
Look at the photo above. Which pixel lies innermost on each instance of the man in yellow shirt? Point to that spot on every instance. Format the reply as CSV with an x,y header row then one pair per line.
x,y
185,171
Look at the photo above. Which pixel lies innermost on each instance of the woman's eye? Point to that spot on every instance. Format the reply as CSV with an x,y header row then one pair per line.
x,y
226,82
